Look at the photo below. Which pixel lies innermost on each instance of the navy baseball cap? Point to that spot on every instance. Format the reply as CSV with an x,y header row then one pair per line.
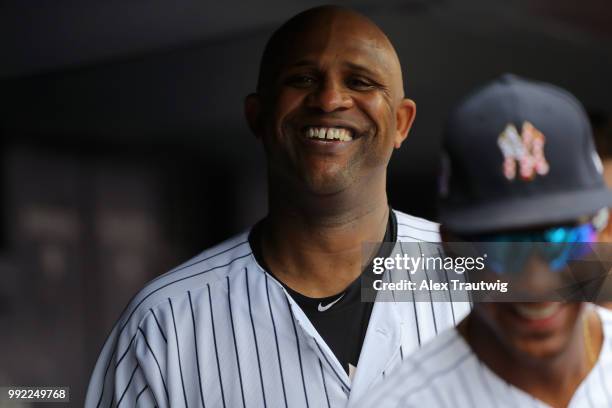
x,y
519,154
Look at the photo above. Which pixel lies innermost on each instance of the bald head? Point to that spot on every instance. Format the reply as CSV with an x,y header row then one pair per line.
x,y
318,27
329,106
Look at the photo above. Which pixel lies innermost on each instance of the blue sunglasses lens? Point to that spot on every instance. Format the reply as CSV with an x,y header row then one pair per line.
x,y
507,253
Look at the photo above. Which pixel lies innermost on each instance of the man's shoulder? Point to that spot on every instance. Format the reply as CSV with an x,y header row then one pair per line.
x,y
434,354
449,342
206,268
411,228
411,383
164,304
438,357
217,258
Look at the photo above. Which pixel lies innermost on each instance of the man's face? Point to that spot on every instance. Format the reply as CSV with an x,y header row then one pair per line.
x,y
329,119
535,330
539,264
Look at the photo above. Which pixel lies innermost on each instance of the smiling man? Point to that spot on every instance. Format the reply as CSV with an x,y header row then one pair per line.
x,y
273,317
525,187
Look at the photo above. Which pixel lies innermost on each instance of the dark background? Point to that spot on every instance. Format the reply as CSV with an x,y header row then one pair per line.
x,y
124,150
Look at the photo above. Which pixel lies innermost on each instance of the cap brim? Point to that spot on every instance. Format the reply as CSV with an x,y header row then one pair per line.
x,y
524,212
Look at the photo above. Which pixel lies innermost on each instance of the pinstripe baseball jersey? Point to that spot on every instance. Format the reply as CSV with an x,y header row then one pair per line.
x,y
219,331
446,373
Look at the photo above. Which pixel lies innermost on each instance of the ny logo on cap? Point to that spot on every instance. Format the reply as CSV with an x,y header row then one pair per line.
x,y
527,149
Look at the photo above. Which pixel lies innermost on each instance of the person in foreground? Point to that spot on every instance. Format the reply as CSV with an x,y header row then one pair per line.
x,y
503,188
273,317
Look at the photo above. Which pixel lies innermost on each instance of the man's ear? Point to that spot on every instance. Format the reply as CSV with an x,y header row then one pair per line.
x,y
252,112
404,117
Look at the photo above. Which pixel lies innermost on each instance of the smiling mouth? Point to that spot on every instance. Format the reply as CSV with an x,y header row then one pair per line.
x,y
329,134
536,311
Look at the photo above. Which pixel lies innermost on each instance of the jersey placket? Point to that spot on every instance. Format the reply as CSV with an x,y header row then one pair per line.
x,y
319,347
381,346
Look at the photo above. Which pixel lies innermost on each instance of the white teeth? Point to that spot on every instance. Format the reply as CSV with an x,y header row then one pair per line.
x,y
341,134
537,311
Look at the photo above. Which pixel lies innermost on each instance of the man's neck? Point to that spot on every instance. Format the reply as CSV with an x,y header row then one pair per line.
x,y
552,381
318,252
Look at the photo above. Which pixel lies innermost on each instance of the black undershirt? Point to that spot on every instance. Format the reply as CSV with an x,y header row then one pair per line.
x,y
342,325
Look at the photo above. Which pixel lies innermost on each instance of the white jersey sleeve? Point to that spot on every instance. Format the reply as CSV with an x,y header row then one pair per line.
x,y
139,357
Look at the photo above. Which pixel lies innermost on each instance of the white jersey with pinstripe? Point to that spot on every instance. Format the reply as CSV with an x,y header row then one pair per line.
x,y
446,373
219,331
